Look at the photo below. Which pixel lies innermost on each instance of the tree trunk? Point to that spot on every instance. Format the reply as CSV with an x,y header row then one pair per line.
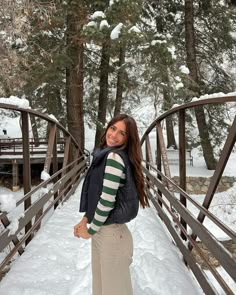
x,y
170,133
167,104
34,129
74,72
167,100
120,81
34,125
103,93
208,152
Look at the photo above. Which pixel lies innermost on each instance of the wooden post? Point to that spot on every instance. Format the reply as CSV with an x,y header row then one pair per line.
x,y
66,153
149,157
55,166
164,155
26,167
158,162
47,162
15,176
182,164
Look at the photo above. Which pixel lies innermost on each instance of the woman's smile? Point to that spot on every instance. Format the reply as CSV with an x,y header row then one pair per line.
x,y
116,134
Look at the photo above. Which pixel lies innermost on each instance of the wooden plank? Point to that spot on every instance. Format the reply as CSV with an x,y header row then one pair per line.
x,y
49,153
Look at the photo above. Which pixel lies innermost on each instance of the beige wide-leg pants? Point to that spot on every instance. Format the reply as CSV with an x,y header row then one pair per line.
x,y
112,251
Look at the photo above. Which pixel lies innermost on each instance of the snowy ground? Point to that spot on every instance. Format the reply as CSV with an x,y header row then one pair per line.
x,y
56,262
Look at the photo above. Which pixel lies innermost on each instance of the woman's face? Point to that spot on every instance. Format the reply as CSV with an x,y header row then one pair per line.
x,y
116,134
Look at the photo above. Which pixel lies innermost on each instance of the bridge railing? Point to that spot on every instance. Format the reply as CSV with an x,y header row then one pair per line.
x,y
172,201
57,184
44,198
13,146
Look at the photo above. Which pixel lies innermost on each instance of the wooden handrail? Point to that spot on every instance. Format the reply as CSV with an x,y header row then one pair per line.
x,y
40,203
49,149
163,192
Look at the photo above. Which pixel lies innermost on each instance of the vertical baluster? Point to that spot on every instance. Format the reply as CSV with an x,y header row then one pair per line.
x,y
26,166
182,163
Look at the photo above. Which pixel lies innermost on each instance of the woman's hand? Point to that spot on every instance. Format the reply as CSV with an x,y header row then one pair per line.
x,y
81,230
83,222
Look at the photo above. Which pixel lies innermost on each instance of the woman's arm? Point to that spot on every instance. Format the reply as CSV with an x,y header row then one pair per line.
x,y
113,177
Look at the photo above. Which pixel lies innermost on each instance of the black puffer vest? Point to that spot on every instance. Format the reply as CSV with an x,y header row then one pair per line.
x,y
127,202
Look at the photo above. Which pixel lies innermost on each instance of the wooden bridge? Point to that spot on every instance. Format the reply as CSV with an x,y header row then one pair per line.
x,y
168,198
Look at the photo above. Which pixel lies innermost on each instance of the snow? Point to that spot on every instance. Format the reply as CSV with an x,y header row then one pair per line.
x,y
154,42
13,226
134,29
175,106
7,202
44,175
91,24
104,24
179,85
39,88
184,69
177,78
53,117
43,191
172,51
116,31
97,14
56,262
13,100
18,42
213,95
47,33
233,35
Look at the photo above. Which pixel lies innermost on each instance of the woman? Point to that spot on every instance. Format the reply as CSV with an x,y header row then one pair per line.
x,y
111,193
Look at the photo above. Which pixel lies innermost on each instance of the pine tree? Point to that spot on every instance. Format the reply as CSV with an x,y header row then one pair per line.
x,y
44,58
212,21
120,16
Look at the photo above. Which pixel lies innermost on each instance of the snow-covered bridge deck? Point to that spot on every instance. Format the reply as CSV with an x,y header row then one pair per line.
x,y
57,263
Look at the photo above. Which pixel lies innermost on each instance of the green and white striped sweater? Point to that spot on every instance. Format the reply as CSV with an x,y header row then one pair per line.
x,y
114,177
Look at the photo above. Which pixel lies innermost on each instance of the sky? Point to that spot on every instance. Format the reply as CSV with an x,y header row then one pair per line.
x,y
57,263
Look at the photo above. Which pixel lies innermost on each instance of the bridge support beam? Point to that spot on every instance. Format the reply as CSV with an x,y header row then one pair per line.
x,y
15,176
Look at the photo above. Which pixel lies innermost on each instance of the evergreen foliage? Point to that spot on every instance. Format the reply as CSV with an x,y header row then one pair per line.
x,y
35,54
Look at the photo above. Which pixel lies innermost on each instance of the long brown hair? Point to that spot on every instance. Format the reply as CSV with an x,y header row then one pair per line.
x,y
133,147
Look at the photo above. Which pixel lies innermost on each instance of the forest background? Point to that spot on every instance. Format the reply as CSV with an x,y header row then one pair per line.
x,y
84,60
